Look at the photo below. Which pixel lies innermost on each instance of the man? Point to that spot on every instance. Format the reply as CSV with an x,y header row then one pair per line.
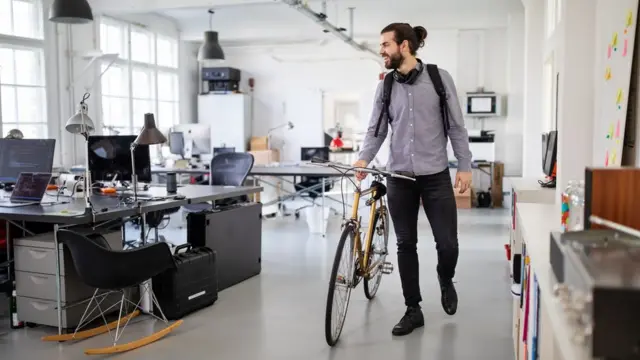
x,y
418,148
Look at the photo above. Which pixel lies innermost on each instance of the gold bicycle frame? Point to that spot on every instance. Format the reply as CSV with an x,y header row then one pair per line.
x,y
363,261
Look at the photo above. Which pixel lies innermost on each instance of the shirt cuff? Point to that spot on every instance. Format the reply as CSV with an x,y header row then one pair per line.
x,y
464,165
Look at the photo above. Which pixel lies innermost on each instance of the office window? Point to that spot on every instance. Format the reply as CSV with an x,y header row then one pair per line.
x,y
550,16
22,80
144,82
549,96
558,11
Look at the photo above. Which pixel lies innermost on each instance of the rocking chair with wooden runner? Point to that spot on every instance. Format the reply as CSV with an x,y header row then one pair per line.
x,y
110,271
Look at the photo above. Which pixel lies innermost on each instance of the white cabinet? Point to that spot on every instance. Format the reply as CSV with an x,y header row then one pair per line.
x,y
229,118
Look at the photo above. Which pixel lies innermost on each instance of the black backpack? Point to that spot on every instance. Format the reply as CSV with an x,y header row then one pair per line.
x,y
434,74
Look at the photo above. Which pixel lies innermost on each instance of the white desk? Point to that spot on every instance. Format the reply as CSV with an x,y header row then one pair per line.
x,y
528,190
525,190
534,224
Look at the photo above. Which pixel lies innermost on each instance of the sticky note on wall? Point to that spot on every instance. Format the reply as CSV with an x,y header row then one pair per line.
x,y
610,132
629,18
614,41
619,97
607,73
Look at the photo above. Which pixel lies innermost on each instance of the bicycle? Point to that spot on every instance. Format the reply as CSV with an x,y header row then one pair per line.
x,y
365,263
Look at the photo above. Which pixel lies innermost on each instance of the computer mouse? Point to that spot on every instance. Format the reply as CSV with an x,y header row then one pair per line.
x,y
179,197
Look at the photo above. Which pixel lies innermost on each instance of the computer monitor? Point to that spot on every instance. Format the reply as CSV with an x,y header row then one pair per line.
x,y
223,150
25,155
552,151
197,138
545,142
327,139
308,153
111,155
176,143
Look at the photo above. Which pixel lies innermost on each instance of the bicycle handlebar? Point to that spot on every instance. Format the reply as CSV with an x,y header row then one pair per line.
x,y
319,161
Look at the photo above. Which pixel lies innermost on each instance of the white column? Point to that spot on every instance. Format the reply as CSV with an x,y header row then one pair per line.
x,y
513,157
576,64
534,35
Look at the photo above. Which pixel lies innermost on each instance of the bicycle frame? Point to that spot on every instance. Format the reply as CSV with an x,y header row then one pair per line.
x,y
363,261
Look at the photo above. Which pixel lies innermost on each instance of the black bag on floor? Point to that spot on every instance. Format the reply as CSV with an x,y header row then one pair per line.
x,y
190,287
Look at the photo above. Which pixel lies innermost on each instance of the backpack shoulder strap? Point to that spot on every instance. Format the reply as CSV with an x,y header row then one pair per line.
x,y
434,74
386,99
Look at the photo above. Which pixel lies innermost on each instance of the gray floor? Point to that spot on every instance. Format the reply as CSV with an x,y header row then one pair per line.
x,y
279,315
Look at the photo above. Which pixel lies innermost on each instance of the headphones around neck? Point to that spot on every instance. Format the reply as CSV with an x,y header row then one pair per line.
x,y
411,77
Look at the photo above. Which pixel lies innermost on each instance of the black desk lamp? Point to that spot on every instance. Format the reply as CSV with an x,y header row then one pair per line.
x,y
149,135
81,124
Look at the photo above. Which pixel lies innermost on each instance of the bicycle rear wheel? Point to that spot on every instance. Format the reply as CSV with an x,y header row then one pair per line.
x,y
377,251
341,283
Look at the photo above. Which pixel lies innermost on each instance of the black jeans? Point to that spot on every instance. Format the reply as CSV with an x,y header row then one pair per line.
x,y
438,200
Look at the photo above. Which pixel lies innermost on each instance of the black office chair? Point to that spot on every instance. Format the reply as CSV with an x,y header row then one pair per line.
x,y
102,268
311,186
227,169
153,220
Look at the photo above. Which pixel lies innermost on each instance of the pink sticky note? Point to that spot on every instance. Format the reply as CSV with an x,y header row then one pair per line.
x,y
606,159
609,52
618,130
624,49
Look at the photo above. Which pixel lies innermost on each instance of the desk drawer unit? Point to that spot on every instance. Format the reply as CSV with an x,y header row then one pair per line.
x,y
35,266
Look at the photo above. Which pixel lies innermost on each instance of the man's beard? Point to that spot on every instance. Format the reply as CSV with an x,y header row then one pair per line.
x,y
394,61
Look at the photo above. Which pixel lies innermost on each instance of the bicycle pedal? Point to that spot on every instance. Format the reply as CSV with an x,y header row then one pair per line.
x,y
386,268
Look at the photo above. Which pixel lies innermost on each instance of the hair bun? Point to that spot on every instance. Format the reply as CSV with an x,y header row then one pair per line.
x,y
421,34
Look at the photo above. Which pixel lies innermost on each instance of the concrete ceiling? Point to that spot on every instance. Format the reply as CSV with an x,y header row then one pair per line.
x,y
270,21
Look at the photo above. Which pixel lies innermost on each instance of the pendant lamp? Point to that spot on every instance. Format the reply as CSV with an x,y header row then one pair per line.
x,y
210,49
71,12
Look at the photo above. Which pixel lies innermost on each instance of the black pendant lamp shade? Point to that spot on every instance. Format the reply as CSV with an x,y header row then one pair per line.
x,y
210,49
71,12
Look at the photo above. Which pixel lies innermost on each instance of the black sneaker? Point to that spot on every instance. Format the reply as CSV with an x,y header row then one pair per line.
x,y
411,320
449,297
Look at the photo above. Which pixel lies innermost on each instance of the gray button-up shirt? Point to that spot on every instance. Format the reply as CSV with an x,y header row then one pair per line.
x,y
418,143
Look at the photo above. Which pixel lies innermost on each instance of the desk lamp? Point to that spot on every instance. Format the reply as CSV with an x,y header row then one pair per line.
x,y
288,125
15,134
149,135
81,123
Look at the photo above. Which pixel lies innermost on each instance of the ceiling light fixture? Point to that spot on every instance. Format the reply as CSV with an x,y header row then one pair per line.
x,y
71,12
210,49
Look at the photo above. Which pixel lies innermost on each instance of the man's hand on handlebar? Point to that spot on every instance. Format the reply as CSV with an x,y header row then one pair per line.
x,y
360,175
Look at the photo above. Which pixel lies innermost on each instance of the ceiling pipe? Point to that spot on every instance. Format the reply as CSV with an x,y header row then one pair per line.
x,y
321,19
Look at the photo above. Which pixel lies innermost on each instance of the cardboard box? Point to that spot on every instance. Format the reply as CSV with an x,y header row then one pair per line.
x,y
265,157
259,143
463,201
496,185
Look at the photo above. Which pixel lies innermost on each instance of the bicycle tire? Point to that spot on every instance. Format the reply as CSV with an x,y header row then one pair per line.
x,y
372,285
332,336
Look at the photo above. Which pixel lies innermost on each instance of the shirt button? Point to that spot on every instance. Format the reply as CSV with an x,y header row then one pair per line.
x,y
409,94
411,154
410,124
411,140
410,109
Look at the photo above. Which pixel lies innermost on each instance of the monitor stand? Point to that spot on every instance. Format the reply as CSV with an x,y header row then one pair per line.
x,y
549,183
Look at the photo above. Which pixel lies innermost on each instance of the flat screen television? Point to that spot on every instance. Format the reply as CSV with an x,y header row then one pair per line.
x,y
551,154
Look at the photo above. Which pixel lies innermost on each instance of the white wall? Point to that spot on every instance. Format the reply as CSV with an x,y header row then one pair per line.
x,y
533,89
489,58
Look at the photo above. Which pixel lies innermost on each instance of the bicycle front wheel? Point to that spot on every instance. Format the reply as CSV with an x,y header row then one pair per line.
x,y
379,241
341,283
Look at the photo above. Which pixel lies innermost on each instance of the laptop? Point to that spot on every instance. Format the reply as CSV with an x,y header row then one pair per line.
x,y
29,190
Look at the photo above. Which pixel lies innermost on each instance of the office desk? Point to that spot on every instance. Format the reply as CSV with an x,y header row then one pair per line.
x,y
108,208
